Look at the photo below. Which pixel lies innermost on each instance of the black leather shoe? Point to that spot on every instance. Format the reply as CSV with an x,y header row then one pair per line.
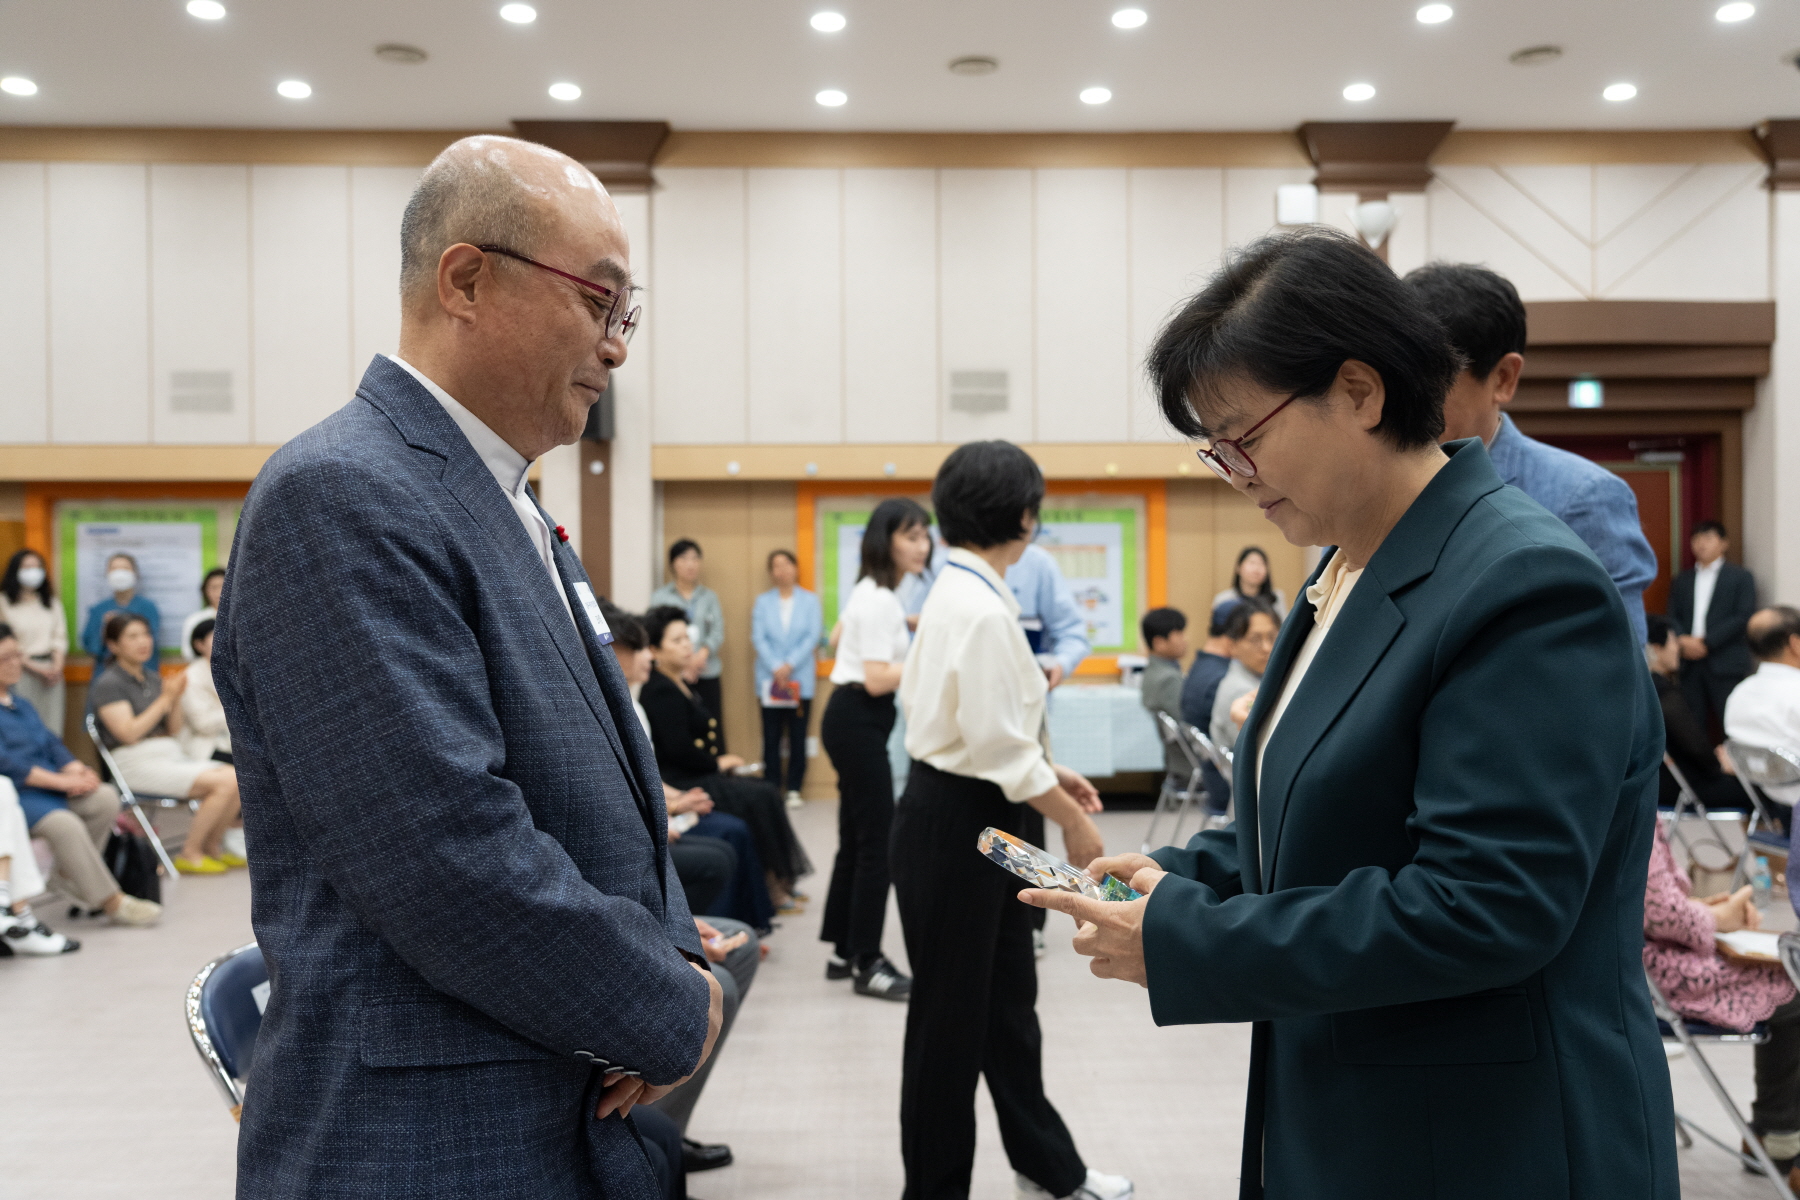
x,y
696,1156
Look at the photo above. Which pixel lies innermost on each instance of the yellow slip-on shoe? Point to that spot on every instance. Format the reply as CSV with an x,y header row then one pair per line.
x,y
232,860
208,865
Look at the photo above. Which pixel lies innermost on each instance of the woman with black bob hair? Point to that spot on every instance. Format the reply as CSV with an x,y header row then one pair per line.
x,y
858,720
1431,903
974,698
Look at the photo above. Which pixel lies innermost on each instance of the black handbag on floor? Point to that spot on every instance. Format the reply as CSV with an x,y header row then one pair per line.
x,y
133,863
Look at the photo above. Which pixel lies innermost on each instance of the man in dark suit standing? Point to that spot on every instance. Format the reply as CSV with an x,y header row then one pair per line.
x,y
479,954
1711,603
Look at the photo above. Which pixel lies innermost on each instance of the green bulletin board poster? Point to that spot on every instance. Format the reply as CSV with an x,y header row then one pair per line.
x,y
175,545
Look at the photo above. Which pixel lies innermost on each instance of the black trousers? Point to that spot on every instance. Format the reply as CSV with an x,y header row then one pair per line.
x,y
974,1000
713,696
854,733
785,725
705,866
1776,1108
1705,693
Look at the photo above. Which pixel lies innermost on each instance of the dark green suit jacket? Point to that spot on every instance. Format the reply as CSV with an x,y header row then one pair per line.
x,y
1432,907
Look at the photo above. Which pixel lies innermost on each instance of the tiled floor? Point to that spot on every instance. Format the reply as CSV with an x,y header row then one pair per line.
x,y
102,1096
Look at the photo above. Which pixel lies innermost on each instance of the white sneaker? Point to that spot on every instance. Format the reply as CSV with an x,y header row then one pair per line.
x,y
1097,1187
796,800
25,934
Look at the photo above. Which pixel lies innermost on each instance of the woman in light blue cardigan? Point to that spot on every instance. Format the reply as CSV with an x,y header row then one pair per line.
x,y
785,626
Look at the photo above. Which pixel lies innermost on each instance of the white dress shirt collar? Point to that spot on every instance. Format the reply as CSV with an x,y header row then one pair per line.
x,y
508,465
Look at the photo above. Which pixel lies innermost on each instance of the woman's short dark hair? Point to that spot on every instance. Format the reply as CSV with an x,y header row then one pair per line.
x,y
1237,572
627,630
657,622
890,517
769,563
682,546
10,586
1237,621
1479,309
201,631
215,573
983,494
117,623
1284,314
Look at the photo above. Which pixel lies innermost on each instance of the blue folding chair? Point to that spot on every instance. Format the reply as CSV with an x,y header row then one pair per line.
x,y
225,1006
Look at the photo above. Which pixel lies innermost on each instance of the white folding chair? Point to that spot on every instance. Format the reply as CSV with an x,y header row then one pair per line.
x,y
1689,801
1175,792
136,801
1761,767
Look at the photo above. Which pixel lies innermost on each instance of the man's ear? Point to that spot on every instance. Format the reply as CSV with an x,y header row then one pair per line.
x,y
1503,380
1362,385
462,270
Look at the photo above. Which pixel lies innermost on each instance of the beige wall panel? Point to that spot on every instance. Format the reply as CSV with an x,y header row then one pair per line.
x,y
1209,524
1238,523
1083,362
24,329
794,232
1772,428
378,197
985,314
1461,232
300,284
736,524
1489,217
99,303
1250,200
1177,235
634,556
1409,245
1706,238
200,300
1624,192
698,313
891,375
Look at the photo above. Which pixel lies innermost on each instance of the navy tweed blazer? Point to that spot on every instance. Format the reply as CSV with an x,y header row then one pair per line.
x,y
459,870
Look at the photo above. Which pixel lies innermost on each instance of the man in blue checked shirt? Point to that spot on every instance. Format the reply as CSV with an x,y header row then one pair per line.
x,y
1485,319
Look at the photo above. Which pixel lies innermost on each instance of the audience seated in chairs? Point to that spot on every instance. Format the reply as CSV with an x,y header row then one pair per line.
x,y
1700,984
1764,710
715,856
139,719
686,737
61,800
1700,762
20,930
1251,628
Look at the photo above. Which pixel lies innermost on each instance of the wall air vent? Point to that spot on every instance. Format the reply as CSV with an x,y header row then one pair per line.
x,y
978,391
200,391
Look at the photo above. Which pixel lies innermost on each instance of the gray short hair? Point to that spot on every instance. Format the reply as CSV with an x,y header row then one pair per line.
x,y
470,193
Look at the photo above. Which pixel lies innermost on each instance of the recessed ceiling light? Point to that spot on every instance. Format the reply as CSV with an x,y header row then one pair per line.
x,y
1620,91
206,10
565,91
828,22
400,52
1130,18
974,64
518,14
294,89
1435,14
1095,95
1358,92
18,85
1736,11
831,98
1534,56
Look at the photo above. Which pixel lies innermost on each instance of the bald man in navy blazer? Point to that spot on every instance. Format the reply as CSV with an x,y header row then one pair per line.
x,y
480,957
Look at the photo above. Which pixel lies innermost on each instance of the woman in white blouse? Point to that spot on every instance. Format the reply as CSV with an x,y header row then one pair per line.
x,y
872,644
974,701
28,604
204,734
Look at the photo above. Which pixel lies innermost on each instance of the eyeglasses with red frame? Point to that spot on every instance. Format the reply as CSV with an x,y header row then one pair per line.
x,y
1226,457
621,314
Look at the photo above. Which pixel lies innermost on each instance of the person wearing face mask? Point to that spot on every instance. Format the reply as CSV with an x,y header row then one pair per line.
x,y
28,605
1431,903
122,580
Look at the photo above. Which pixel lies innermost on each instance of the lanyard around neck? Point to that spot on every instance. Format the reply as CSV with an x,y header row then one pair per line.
x,y
985,581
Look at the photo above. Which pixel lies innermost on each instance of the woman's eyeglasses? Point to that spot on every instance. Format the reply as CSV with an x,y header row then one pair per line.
x,y
621,314
1226,457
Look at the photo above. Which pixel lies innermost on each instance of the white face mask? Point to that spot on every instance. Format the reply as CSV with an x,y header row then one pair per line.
x,y
121,579
31,578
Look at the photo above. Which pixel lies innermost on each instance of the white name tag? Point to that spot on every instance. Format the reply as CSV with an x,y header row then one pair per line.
x,y
592,607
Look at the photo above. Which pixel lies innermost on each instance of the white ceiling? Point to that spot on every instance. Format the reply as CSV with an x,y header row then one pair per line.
x,y
755,64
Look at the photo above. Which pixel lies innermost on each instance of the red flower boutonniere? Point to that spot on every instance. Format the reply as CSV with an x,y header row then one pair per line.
x,y
562,535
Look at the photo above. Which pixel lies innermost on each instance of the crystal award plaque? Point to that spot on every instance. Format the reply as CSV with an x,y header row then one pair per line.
x,y
1042,869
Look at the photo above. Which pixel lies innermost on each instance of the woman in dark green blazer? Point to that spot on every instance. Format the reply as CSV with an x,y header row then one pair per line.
x,y
1431,904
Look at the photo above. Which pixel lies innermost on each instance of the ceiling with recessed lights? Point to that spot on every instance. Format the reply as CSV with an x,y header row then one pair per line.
x,y
779,64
